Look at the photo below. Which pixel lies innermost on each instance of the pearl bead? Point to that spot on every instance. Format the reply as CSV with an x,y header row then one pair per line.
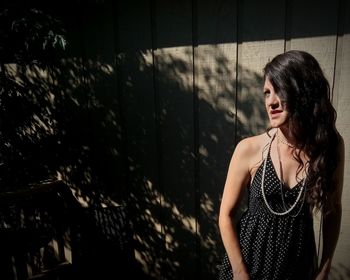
x,y
263,192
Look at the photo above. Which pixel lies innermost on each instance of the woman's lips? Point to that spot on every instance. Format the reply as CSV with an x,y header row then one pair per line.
x,y
275,113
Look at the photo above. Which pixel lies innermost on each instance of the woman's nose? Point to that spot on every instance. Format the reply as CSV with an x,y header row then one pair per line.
x,y
273,100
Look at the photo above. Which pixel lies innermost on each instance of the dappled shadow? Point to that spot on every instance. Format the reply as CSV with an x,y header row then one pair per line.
x,y
132,126
53,121
175,223
126,134
59,122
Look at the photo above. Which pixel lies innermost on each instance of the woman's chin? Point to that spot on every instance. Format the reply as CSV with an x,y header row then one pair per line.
x,y
274,124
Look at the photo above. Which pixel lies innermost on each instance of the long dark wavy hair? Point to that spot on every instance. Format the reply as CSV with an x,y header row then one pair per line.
x,y
299,81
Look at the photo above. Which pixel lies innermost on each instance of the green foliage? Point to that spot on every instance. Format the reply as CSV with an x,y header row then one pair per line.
x,y
29,36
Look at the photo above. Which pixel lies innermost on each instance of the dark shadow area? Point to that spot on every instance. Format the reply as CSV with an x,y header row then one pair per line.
x,y
53,122
58,122
113,116
46,234
64,116
29,226
322,22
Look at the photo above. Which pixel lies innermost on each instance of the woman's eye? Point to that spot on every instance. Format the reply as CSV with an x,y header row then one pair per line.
x,y
266,93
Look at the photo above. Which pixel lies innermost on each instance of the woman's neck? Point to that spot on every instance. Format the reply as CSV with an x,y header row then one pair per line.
x,y
284,136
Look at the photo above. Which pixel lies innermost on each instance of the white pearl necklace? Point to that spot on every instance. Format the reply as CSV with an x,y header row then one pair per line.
x,y
263,192
284,141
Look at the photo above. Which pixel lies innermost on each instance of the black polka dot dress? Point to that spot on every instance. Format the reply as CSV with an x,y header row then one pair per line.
x,y
275,247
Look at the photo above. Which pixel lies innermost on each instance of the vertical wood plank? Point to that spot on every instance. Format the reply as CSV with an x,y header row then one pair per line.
x,y
174,83
106,149
138,106
313,29
341,101
261,33
315,32
215,73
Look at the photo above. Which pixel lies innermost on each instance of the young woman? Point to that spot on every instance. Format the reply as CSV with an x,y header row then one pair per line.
x,y
293,169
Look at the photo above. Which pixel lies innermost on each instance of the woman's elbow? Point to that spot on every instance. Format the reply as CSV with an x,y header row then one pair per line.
x,y
225,219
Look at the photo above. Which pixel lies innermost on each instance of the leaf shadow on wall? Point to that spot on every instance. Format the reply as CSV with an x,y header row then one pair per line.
x,y
159,119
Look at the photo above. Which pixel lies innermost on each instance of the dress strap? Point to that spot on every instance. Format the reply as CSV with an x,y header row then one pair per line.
x,y
267,148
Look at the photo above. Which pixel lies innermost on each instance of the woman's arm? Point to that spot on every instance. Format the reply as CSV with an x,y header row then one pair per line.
x,y
238,177
332,212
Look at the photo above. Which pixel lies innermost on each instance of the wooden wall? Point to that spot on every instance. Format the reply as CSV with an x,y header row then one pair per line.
x,y
184,86
189,80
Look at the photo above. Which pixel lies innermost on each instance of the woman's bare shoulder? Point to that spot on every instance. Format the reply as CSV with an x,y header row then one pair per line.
x,y
253,146
256,142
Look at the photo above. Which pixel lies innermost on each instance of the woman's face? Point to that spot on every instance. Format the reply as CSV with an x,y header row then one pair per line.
x,y
275,107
